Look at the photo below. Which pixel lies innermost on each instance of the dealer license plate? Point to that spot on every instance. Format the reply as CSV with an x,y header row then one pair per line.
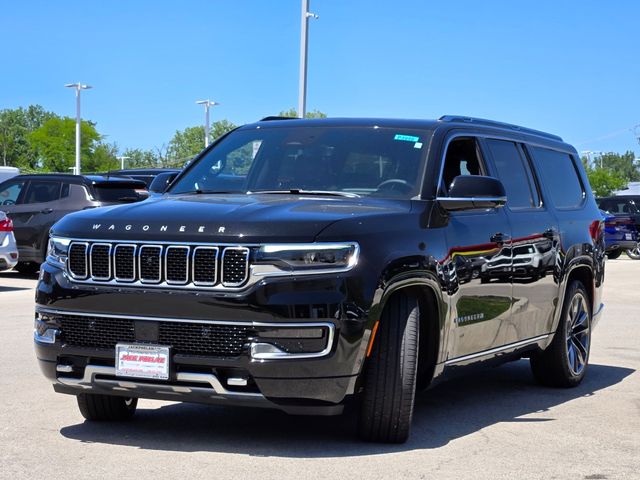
x,y
628,236
142,361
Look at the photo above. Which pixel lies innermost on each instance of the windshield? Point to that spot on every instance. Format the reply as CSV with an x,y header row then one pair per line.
x,y
350,161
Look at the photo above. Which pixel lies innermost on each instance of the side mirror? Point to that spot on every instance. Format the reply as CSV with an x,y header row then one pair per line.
x,y
468,192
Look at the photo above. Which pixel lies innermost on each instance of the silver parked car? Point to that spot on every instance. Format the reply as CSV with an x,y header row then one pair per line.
x,y
8,248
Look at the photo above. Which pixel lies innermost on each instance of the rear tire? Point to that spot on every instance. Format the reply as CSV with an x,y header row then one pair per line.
x,y
564,362
100,408
386,410
614,254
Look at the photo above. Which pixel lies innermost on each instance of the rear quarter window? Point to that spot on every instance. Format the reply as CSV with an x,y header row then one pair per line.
x,y
559,176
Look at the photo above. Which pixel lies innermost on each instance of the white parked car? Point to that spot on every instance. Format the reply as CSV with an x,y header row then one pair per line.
x,y
8,248
8,172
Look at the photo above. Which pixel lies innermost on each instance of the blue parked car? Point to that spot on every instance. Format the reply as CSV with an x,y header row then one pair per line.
x,y
620,234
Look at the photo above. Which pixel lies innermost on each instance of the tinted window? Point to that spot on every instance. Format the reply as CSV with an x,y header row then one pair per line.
x,y
620,205
461,159
117,193
560,177
41,191
513,172
365,161
65,190
10,192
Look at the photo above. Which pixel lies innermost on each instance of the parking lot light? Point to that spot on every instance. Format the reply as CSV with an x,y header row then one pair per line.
x,y
78,87
207,104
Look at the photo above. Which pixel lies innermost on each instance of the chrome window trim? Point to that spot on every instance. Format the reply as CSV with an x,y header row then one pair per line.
x,y
98,244
265,356
115,263
246,267
139,278
86,260
215,266
166,258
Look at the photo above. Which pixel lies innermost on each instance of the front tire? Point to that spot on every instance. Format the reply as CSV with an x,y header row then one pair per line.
x,y
564,362
101,408
386,410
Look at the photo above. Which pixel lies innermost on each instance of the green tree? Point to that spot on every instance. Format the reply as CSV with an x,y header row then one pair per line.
x,y
604,182
103,158
15,127
293,113
138,158
187,143
623,165
54,143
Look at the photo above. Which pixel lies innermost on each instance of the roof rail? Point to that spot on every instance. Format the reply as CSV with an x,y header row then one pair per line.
x,y
502,125
276,117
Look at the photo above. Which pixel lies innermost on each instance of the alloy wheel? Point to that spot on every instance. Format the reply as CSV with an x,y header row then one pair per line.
x,y
578,334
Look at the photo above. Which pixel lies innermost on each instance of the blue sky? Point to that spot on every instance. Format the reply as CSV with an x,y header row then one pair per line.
x,y
568,67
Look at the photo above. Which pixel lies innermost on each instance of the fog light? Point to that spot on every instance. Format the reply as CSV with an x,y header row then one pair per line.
x,y
44,333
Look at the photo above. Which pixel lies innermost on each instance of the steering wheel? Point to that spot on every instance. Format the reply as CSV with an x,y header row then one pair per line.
x,y
8,201
393,182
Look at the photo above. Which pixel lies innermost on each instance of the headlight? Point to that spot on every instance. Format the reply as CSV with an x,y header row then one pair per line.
x,y
309,257
58,251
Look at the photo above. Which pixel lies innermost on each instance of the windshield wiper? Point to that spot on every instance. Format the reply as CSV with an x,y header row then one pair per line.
x,y
298,191
205,192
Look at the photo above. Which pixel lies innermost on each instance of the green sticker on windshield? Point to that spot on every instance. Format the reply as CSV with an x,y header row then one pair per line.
x,y
406,138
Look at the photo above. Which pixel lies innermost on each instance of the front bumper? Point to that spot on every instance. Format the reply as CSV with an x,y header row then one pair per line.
x,y
315,384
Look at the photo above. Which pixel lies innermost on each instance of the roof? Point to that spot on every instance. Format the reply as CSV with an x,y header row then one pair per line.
x,y
141,171
93,179
449,120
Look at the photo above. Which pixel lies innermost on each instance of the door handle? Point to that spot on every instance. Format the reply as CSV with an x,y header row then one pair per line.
x,y
46,210
499,238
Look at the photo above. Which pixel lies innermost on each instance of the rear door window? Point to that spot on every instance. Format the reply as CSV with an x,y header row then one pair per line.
x,y
560,177
42,191
514,172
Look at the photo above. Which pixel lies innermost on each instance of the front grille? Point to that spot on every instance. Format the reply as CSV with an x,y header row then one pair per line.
x,y
78,260
100,260
150,263
125,262
177,266
96,332
182,337
234,265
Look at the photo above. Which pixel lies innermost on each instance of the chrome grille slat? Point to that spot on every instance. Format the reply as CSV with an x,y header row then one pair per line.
x,y
159,265
124,262
235,266
100,261
176,265
150,263
78,265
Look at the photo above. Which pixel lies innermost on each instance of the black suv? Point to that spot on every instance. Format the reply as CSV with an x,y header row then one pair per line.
x,y
304,264
36,202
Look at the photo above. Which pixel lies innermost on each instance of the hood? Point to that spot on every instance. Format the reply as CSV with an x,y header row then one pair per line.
x,y
233,218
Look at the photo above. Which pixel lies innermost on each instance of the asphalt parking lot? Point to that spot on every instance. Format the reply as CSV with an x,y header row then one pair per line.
x,y
496,424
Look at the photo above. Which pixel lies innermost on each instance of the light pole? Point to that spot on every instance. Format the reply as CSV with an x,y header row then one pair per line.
x,y
79,87
304,38
122,159
588,153
207,104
